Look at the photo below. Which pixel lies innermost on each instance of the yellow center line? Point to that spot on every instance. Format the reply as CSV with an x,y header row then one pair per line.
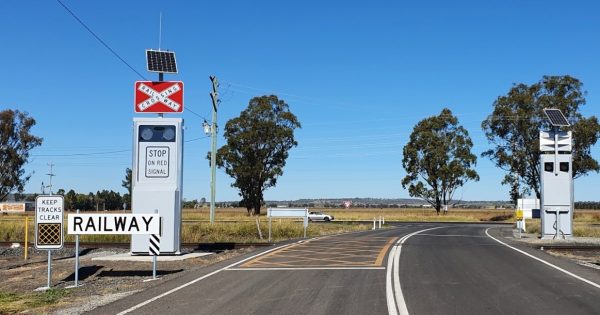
x,y
384,251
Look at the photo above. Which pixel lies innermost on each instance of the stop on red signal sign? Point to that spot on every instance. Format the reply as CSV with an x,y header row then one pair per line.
x,y
158,97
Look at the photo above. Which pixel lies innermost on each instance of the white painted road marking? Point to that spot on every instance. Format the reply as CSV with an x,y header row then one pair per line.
x,y
391,303
307,268
594,284
133,308
452,235
395,302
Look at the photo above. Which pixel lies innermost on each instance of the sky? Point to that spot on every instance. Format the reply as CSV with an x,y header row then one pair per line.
x,y
358,75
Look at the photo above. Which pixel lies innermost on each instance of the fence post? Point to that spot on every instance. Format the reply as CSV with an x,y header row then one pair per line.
x,y
258,227
26,237
269,229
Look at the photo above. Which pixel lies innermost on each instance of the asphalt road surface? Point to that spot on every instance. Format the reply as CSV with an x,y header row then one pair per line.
x,y
411,268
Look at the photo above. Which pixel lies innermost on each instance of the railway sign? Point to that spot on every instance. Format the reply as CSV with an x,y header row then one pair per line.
x,y
157,161
49,222
113,223
158,97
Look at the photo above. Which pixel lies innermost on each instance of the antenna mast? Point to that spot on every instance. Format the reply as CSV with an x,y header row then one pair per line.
x,y
159,30
51,174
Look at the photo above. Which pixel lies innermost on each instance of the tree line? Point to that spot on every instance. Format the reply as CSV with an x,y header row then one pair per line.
x,y
99,201
438,157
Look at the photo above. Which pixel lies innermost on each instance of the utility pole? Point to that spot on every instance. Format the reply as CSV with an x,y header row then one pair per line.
x,y
51,174
213,152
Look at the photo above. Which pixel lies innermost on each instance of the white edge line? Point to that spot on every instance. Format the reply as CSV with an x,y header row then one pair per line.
x,y
133,308
391,303
545,262
402,308
306,268
395,302
398,290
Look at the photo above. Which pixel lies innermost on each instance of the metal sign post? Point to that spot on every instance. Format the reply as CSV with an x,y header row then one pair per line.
x,y
76,260
154,249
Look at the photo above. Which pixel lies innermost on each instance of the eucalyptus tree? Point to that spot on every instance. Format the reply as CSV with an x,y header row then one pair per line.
x,y
438,159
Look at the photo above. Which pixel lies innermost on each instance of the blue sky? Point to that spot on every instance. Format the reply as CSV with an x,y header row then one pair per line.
x,y
359,76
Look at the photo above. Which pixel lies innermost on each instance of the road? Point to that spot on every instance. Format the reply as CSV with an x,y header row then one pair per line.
x,y
411,268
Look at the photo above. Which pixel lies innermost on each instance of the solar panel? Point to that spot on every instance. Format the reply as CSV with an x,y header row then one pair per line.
x,y
161,61
556,117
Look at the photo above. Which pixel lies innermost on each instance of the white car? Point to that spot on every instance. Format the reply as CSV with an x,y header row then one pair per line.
x,y
319,216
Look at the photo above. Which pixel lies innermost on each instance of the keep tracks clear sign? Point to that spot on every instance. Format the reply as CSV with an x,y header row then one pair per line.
x,y
49,222
113,224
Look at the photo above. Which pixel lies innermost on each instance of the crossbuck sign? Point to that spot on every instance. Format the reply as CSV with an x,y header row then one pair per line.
x,y
158,97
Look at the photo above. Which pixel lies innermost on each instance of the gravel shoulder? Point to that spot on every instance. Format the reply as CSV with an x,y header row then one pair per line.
x,y
588,256
101,281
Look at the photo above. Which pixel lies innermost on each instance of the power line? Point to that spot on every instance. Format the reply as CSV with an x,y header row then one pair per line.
x,y
295,98
99,153
80,154
100,39
193,112
111,49
196,139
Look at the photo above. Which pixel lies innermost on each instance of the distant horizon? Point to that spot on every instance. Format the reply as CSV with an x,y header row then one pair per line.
x,y
332,199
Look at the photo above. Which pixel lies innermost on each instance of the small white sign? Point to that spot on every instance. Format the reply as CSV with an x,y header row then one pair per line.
x,y
113,223
49,222
287,213
157,161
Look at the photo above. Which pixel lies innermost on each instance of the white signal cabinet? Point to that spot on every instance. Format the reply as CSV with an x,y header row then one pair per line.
x,y
157,179
556,169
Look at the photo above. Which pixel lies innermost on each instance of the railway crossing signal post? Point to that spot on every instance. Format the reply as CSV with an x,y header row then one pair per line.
x,y
157,172
556,172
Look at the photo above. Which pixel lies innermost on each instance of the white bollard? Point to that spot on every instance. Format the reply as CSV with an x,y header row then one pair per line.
x,y
384,220
374,223
380,222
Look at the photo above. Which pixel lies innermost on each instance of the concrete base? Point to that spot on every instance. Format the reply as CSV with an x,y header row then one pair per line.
x,y
553,237
128,257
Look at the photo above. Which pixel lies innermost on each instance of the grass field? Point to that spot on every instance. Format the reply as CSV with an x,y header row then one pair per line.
x,y
235,225
586,226
11,303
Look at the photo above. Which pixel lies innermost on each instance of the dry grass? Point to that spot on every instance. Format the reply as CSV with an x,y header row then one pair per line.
x,y
11,303
367,214
235,225
583,224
